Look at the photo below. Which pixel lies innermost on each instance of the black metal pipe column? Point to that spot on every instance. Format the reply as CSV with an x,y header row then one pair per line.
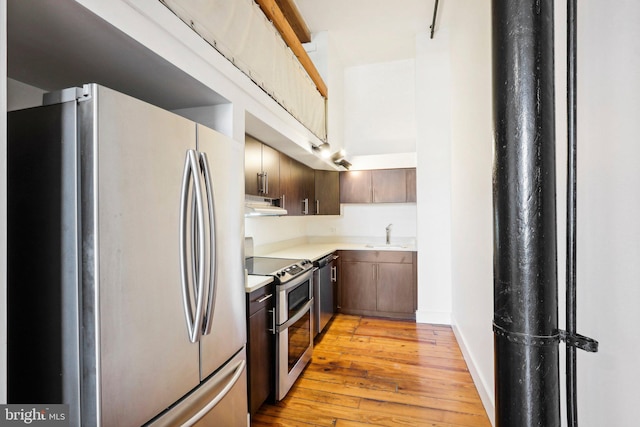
x,y
571,374
527,389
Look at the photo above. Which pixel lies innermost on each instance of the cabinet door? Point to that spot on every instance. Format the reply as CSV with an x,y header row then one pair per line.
x,y
355,187
261,358
389,185
308,189
335,278
252,165
357,280
411,185
396,288
289,185
260,346
327,184
271,167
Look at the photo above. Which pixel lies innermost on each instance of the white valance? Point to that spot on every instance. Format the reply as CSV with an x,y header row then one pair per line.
x,y
241,32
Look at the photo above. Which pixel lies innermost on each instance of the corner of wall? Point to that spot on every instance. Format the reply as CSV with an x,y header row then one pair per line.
x,y
433,317
484,390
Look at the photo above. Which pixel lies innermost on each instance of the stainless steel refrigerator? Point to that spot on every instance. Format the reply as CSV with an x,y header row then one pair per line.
x,y
125,263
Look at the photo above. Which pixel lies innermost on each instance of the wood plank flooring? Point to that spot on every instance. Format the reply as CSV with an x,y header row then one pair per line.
x,y
377,372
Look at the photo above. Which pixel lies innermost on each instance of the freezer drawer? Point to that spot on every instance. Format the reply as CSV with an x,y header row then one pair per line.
x,y
219,401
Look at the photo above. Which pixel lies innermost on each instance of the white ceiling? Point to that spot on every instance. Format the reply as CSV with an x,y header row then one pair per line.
x,y
369,31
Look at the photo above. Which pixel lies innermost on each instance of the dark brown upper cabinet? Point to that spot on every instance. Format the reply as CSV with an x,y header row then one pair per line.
x,y
290,178
297,185
261,169
355,187
378,186
301,189
327,184
308,190
411,186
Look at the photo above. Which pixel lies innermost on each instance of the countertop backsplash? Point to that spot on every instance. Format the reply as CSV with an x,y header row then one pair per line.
x,y
358,224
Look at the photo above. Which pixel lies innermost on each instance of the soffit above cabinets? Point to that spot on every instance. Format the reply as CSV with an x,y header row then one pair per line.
x,y
54,44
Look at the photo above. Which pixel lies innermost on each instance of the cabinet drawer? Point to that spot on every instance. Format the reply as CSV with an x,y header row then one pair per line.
x,y
260,298
402,257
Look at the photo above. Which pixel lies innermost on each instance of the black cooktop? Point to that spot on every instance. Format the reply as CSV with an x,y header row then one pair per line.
x,y
266,266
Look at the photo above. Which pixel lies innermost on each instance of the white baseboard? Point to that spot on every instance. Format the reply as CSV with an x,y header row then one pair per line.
x,y
485,392
434,317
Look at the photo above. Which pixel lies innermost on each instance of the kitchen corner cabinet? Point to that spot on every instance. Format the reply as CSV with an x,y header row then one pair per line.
x,y
260,346
378,283
261,169
378,186
327,186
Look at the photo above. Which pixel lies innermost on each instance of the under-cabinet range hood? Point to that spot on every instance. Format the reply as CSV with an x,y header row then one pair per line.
x,y
258,206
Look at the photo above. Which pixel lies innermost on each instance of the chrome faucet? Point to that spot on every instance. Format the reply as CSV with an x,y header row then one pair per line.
x,y
388,230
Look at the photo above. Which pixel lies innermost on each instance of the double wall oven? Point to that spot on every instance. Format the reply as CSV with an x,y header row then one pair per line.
x,y
292,317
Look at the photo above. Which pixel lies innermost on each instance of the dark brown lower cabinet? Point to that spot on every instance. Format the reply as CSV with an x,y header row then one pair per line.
x,y
378,283
359,289
260,346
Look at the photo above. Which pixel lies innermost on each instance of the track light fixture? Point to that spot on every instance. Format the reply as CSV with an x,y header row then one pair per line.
x,y
324,149
338,158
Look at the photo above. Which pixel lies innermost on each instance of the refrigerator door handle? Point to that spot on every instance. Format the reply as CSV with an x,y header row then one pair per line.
x,y
213,258
194,320
209,406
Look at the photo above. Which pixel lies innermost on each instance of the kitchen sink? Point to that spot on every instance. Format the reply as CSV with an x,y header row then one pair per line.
x,y
385,246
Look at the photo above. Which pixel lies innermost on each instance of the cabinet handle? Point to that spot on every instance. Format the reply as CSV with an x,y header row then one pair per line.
x,y
273,321
317,207
282,203
264,298
305,210
266,183
334,274
263,183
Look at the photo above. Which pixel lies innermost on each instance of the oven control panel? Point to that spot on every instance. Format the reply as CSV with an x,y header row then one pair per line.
x,y
294,269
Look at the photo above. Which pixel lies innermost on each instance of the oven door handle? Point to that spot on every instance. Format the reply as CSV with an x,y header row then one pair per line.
x,y
296,316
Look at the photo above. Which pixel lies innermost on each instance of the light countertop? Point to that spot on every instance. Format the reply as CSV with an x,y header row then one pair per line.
x,y
254,282
316,250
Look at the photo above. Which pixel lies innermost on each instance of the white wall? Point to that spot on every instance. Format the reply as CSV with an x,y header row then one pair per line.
x,y
472,224
608,210
355,221
379,112
433,145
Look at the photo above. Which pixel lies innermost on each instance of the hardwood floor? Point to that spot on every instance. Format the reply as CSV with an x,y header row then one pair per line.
x,y
377,372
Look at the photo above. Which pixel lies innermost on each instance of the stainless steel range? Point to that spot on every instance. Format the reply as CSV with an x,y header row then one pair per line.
x,y
293,316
